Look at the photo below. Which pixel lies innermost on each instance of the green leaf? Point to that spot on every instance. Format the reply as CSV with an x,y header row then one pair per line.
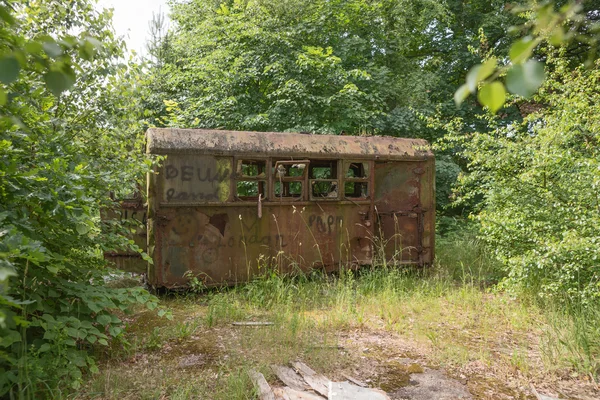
x,y
492,96
9,69
103,319
73,332
58,82
48,318
5,273
525,79
82,228
95,42
114,331
6,16
521,50
487,69
79,361
92,339
103,341
9,338
461,94
33,47
52,49
45,347
472,80
557,37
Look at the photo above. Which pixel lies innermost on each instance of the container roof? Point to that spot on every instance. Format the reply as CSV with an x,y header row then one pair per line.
x,y
283,144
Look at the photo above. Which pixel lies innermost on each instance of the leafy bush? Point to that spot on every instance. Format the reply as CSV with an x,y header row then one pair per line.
x,y
69,125
539,182
446,174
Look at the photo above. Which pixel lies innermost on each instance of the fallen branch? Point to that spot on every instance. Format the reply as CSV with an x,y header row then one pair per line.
x,y
252,323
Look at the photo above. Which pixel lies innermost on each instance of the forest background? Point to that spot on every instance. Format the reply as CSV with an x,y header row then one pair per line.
x,y
517,164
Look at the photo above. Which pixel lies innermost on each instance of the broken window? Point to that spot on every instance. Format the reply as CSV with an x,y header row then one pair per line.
x,y
251,179
251,168
324,183
287,189
356,183
355,169
288,179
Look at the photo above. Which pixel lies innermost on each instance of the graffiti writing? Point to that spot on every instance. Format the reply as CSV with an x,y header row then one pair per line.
x,y
211,252
139,216
187,173
323,224
172,194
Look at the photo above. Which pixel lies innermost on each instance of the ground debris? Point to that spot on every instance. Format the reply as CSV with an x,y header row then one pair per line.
x,y
264,390
317,382
252,323
349,391
304,383
192,360
541,396
354,380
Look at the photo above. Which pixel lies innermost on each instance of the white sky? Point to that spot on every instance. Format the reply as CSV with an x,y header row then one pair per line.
x,y
131,17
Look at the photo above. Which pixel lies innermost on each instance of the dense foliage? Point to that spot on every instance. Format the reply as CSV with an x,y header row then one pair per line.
x,y
538,183
68,136
318,66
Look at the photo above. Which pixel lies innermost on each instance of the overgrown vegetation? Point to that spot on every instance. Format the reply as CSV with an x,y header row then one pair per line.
x,y
72,114
536,189
69,135
449,316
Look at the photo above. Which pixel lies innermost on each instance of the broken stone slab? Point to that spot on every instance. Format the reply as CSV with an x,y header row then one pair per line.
x,y
290,378
291,394
264,390
540,396
349,391
319,383
434,384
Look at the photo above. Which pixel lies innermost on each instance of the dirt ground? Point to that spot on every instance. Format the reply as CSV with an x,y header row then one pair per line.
x,y
379,359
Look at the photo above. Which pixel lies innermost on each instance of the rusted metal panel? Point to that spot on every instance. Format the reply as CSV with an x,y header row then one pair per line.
x,y
405,209
225,205
131,213
230,245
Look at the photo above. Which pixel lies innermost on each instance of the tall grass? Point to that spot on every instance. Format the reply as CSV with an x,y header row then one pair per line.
x,y
453,310
464,275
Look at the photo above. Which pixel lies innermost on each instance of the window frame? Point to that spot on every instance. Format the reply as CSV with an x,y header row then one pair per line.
x,y
261,178
365,179
336,176
287,179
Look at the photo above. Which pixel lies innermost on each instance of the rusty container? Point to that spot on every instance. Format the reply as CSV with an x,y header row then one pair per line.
x,y
226,205
131,213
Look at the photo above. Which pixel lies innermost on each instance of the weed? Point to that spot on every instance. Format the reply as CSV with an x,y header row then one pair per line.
x,y
155,340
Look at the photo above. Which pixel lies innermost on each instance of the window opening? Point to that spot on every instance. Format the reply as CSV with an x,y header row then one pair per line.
x,y
288,178
356,189
288,189
251,179
356,182
357,170
324,184
251,168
